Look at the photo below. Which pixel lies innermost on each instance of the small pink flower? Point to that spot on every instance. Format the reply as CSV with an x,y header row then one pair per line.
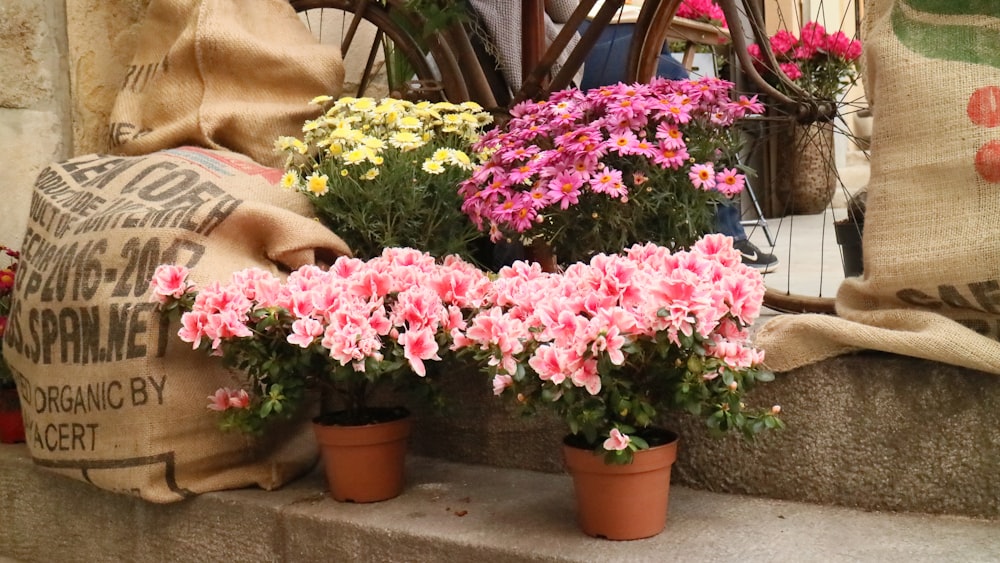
x,y
169,281
501,382
419,345
782,42
702,176
220,400
239,399
729,181
304,332
616,441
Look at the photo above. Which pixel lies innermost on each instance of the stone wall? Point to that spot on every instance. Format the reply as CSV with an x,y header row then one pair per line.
x,y
102,38
34,103
61,63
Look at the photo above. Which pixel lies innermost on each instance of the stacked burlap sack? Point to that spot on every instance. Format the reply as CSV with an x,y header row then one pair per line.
x,y
931,284
110,395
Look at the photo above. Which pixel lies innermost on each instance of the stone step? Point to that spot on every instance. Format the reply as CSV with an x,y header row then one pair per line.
x,y
872,431
449,512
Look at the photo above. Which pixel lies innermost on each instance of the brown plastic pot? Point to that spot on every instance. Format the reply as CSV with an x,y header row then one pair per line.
x,y
364,463
622,502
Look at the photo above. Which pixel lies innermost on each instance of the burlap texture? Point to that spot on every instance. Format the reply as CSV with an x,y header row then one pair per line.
x,y
221,74
111,395
931,285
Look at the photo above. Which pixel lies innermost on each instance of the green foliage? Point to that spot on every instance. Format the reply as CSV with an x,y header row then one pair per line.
x,y
438,14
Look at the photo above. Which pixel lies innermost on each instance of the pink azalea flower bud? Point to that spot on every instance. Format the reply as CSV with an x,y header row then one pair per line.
x,y
239,400
775,409
220,400
501,382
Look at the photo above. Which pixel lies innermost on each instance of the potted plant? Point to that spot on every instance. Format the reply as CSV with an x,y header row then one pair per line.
x,y
383,173
596,171
610,344
824,65
347,331
11,420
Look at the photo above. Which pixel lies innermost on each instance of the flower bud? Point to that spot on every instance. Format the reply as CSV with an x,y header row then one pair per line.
x,y
775,409
733,386
694,365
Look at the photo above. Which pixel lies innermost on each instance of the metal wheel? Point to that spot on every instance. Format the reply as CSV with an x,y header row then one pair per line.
x,y
381,52
787,217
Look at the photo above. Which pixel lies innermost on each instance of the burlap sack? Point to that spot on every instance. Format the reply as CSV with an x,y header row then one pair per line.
x,y
931,286
221,74
110,394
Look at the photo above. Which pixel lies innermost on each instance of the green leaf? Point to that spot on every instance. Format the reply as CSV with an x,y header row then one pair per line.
x,y
639,443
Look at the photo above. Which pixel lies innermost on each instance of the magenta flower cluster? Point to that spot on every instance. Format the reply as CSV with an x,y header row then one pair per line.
x,y
820,62
584,157
702,10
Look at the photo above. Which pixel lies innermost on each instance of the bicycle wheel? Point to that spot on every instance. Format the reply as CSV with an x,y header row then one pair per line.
x,y
811,160
802,138
382,56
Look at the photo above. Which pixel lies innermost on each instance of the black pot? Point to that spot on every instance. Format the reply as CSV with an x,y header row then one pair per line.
x,y
849,238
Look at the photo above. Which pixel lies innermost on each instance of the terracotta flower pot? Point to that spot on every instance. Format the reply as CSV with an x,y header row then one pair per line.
x,y
622,502
364,463
11,421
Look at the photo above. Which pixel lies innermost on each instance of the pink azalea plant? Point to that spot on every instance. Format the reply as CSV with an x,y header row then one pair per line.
x,y
596,171
819,62
348,330
612,343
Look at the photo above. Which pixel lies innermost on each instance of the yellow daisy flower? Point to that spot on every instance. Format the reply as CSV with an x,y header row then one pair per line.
x,y
289,180
355,156
317,184
410,122
373,143
461,159
405,141
311,125
363,104
433,167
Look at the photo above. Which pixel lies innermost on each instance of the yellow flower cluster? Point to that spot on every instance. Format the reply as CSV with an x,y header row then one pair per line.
x,y
351,139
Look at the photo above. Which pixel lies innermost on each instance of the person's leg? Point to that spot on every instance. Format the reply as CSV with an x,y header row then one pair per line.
x,y
727,222
606,62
